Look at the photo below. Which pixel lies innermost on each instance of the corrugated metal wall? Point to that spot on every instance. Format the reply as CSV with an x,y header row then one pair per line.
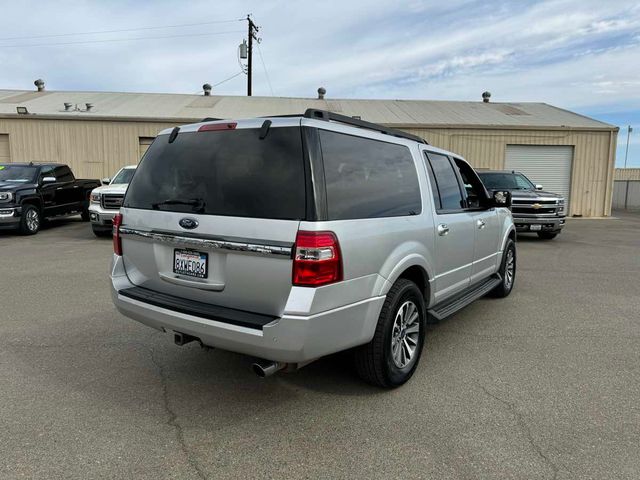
x,y
5,153
626,194
592,176
627,174
97,148
93,149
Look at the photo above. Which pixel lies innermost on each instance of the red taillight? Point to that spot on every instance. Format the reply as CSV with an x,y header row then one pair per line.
x,y
317,259
117,241
212,127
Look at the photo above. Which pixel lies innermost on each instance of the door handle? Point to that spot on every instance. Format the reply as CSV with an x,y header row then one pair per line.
x,y
481,224
443,229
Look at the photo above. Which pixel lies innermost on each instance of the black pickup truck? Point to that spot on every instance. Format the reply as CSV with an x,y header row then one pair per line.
x,y
31,192
534,210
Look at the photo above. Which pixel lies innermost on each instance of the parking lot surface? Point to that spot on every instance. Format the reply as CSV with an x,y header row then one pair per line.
x,y
544,384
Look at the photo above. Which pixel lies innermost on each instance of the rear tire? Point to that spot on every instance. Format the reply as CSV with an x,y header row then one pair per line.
x,y
30,220
507,271
388,360
547,235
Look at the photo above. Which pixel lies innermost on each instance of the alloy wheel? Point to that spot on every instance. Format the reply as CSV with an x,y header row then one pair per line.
x,y
510,269
405,334
33,220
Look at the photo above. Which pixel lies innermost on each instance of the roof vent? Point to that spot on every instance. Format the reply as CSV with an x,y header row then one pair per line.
x,y
89,107
207,89
67,106
321,93
486,96
39,83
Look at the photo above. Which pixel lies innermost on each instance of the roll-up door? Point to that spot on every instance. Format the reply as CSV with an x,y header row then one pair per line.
x,y
546,165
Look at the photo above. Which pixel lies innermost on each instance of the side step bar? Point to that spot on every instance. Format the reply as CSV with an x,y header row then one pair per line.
x,y
458,302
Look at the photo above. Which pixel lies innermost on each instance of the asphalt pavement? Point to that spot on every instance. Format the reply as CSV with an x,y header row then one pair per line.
x,y
544,384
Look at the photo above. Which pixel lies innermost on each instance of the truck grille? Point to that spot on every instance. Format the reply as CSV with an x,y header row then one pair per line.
x,y
112,202
528,207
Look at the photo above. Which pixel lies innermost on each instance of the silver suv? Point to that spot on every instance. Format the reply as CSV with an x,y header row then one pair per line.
x,y
291,238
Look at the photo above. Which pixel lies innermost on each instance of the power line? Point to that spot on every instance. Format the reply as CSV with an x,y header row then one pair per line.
x,y
265,70
120,39
227,79
98,32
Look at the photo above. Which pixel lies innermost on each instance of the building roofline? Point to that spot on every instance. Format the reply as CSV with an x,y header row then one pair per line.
x,y
579,115
413,126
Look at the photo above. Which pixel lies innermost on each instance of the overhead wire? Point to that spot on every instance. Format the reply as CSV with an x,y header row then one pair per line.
x,y
227,79
121,39
99,32
265,69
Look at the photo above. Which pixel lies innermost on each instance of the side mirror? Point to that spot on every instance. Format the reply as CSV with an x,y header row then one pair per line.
x,y
48,180
105,181
538,186
501,199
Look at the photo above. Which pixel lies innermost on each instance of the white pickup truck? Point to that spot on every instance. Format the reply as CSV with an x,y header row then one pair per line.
x,y
107,199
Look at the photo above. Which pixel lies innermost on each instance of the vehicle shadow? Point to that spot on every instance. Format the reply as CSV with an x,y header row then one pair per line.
x,y
46,225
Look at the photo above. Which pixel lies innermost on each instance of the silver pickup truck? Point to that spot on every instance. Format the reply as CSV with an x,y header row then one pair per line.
x,y
105,201
291,238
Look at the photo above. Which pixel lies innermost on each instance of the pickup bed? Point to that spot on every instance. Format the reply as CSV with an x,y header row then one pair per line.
x,y
31,192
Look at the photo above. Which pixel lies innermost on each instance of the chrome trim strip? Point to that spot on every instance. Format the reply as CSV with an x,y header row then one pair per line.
x,y
207,243
535,215
536,200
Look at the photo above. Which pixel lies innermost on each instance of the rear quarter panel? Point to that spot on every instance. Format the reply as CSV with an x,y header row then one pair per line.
x,y
376,251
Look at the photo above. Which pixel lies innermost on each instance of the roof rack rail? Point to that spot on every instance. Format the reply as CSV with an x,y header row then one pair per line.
x,y
210,119
336,117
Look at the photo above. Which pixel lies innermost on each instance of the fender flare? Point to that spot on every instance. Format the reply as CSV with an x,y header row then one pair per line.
x,y
412,260
506,237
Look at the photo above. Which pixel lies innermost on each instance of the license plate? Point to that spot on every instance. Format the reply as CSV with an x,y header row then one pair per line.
x,y
190,263
535,228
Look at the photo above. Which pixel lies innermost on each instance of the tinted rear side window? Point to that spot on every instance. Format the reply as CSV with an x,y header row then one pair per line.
x,y
230,172
63,174
366,178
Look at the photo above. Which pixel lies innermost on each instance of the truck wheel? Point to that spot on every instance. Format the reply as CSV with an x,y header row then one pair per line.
x,y
100,232
547,235
392,356
507,271
30,220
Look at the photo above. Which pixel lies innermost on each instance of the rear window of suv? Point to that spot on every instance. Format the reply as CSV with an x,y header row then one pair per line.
x,y
229,172
368,178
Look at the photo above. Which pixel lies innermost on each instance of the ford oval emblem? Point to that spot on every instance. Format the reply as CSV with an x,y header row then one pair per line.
x,y
188,223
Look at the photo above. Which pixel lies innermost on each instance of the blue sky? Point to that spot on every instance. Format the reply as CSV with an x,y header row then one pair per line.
x,y
581,55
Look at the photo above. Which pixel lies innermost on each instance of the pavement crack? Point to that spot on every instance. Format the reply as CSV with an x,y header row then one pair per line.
x,y
173,417
525,429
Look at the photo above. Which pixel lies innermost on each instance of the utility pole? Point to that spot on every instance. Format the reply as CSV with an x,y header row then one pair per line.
x,y
252,33
626,152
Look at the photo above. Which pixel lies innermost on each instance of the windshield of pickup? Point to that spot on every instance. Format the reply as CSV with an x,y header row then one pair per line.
x,y
17,174
123,176
505,181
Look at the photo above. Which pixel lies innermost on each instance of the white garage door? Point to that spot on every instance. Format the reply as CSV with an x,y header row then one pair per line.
x,y
4,148
546,165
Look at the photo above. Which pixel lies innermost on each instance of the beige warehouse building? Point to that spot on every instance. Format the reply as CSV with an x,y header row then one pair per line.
x,y
98,132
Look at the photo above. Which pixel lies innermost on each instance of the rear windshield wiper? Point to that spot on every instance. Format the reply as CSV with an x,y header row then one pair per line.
x,y
197,203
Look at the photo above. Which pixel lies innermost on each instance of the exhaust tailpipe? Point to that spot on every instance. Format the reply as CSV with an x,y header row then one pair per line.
x,y
266,368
